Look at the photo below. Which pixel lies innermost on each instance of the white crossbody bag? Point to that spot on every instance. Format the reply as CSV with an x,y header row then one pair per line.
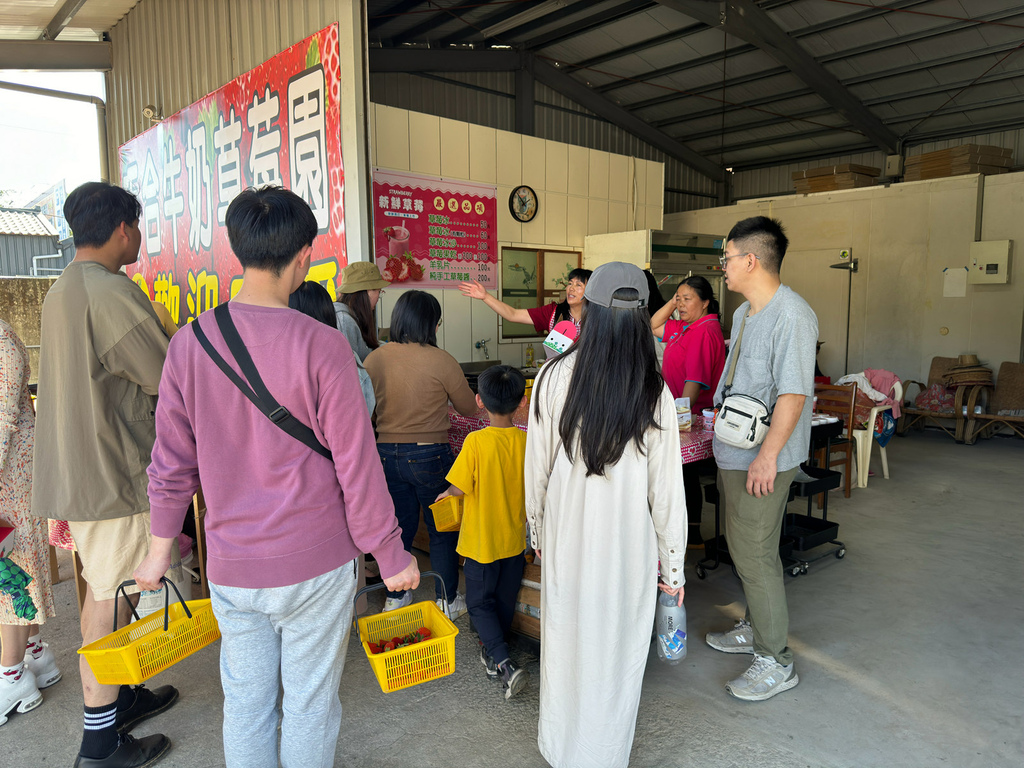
x,y
742,420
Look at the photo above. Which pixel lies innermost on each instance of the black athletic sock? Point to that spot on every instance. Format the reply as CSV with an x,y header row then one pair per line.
x,y
99,736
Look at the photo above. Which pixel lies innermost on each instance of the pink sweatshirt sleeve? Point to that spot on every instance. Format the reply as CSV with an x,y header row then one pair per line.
x,y
369,510
174,468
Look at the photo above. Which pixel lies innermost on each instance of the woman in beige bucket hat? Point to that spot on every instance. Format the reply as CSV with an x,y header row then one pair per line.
x,y
361,287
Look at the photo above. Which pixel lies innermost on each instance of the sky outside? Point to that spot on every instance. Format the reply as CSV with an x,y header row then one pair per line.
x,y
46,139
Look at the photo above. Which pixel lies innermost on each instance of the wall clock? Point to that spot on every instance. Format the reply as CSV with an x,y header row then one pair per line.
x,y
522,203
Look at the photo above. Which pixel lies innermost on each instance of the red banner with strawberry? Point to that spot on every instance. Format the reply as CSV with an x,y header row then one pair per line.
x,y
434,233
279,124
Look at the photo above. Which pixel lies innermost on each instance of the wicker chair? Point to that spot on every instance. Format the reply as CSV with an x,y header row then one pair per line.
x,y
1008,396
912,416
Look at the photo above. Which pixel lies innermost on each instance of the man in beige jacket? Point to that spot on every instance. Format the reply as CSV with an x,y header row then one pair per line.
x,y
102,350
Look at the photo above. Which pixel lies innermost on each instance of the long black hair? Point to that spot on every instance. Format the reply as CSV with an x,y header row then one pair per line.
x,y
703,290
615,386
312,299
583,275
414,319
359,304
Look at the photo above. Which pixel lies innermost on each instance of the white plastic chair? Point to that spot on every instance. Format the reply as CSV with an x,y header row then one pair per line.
x,y
865,439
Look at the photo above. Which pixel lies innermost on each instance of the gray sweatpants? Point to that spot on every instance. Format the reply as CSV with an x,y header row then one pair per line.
x,y
292,638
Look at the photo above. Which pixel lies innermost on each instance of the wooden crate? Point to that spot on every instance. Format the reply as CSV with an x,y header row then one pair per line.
x,y
528,595
829,178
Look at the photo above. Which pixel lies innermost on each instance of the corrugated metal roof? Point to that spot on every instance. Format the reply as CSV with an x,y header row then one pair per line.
x,y
24,221
924,70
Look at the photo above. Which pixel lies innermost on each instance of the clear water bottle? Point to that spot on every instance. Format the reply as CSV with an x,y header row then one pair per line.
x,y
670,629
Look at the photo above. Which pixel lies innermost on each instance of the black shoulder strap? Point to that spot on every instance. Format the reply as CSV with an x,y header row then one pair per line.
x,y
257,393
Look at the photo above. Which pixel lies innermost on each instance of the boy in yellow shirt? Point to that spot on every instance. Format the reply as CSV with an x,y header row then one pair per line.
x,y
488,472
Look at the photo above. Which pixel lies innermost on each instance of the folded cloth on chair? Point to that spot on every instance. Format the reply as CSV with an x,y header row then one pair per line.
x,y
883,381
872,392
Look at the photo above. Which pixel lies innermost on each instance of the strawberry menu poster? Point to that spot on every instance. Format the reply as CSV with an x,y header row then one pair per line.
x,y
434,233
278,124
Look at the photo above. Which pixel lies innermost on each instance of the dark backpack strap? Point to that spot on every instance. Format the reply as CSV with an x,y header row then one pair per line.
x,y
257,393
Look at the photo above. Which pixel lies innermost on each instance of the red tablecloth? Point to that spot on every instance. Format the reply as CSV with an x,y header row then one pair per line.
x,y
695,444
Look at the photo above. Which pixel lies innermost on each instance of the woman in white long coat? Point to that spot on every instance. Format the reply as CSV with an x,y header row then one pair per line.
x,y
605,503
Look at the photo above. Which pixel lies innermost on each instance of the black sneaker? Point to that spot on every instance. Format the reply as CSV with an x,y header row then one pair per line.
x,y
147,703
130,753
513,679
488,662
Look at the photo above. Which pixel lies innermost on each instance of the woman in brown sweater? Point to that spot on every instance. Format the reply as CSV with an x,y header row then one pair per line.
x,y
413,381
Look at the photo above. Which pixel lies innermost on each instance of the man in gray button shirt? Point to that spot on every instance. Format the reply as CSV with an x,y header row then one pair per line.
x,y
776,365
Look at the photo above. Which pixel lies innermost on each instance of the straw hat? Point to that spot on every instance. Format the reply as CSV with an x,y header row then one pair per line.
x,y
968,370
361,276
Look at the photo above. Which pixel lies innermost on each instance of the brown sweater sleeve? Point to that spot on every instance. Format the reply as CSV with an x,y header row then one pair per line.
x,y
458,389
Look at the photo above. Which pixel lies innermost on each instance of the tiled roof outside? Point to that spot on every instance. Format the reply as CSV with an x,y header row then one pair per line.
x,y
19,221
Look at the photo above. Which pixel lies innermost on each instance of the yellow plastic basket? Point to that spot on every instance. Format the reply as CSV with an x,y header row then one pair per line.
x,y
135,653
414,664
447,513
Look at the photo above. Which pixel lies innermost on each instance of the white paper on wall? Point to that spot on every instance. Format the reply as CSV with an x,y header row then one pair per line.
x,y
954,282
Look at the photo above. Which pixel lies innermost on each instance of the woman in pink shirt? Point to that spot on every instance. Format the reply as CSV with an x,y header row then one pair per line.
x,y
692,365
694,345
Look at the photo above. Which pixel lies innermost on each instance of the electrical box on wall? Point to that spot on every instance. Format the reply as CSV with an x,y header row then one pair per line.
x,y
989,262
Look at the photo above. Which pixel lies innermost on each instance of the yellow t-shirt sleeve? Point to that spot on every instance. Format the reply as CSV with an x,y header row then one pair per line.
x,y
464,471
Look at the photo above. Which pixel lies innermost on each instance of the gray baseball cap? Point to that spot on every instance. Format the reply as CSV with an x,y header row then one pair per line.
x,y
610,277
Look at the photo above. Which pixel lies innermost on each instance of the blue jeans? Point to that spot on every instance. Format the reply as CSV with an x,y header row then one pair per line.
x,y
416,475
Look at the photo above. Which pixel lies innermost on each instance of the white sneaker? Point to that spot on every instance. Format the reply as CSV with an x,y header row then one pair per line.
x,y
739,639
394,603
44,667
22,693
455,608
765,678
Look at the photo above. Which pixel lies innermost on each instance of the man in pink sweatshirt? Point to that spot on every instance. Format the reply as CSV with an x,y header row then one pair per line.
x,y
284,523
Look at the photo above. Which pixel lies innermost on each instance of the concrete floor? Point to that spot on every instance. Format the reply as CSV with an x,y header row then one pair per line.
x,y
909,652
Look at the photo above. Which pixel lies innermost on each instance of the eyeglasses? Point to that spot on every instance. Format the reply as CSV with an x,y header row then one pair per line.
x,y
723,260
439,321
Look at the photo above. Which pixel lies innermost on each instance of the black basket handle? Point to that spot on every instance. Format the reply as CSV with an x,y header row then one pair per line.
x,y
167,600
374,587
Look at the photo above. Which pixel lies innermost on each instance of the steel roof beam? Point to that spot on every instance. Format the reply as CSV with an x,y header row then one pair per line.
x,y
50,54
595,21
525,97
819,111
497,17
613,113
61,19
838,56
425,59
668,37
418,33
871,102
814,29
756,143
441,60
375,22
745,20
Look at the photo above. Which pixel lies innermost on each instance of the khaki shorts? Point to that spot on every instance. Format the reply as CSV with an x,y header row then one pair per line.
x,y
110,551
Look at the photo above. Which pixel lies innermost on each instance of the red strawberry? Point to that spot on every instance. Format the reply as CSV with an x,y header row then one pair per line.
x,y
393,265
403,273
388,275
416,272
